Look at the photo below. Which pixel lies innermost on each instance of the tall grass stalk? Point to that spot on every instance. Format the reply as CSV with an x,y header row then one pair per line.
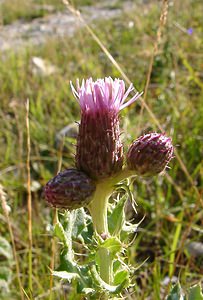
x,y
29,199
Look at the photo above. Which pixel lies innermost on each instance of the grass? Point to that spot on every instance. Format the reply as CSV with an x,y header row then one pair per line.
x,y
175,96
27,10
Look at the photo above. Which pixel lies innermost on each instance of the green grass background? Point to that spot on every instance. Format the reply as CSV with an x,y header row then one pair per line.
x,y
175,96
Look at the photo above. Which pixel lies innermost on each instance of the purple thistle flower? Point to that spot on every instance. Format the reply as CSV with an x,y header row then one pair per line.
x,y
150,154
99,149
70,189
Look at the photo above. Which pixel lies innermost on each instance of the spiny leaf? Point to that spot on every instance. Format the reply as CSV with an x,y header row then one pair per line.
x,y
114,289
79,222
60,233
117,218
195,292
176,293
5,273
121,276
88,291
5,248
65,275
113,245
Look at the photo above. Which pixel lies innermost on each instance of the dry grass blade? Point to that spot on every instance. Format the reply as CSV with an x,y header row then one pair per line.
x,y
6,213
29,199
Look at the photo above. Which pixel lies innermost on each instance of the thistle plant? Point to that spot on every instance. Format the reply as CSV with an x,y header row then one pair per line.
x,y
99,184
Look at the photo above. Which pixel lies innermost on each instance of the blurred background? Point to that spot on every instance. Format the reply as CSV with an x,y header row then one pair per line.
x,y
158,46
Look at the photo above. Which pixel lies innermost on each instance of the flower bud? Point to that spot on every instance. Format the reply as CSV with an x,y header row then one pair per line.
x,y
70,189
150,154
99,151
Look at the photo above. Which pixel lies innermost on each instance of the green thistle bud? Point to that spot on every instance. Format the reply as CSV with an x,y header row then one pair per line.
x,y
70,189
150,154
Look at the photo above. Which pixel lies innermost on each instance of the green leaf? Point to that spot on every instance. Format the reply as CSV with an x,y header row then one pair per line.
x,y
87,291
84,285
60,233
115,289
113,245
121,276
176,293
5,273
87,234
195,293
116,219
66,262
79,223
5,249
65,275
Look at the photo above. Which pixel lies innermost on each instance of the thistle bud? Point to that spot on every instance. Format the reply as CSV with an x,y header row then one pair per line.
x,y
99,151
70,189
150,154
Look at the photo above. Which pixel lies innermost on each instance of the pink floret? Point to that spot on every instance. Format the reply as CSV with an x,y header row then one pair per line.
x,y
103,94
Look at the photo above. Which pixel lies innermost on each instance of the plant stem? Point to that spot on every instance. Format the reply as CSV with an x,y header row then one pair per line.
x,y
106,265
98,210
98,207
122,175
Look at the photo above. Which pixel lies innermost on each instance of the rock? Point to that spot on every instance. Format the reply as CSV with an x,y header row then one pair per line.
x,y
42,67
195,249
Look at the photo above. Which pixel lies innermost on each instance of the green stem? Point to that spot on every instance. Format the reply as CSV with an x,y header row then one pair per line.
x,y
68,235
98,207
99,204
98,210
122,175
106,265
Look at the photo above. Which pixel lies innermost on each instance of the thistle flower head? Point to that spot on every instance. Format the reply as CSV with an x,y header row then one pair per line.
x,y
70,189
150,154
103,94
99,149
